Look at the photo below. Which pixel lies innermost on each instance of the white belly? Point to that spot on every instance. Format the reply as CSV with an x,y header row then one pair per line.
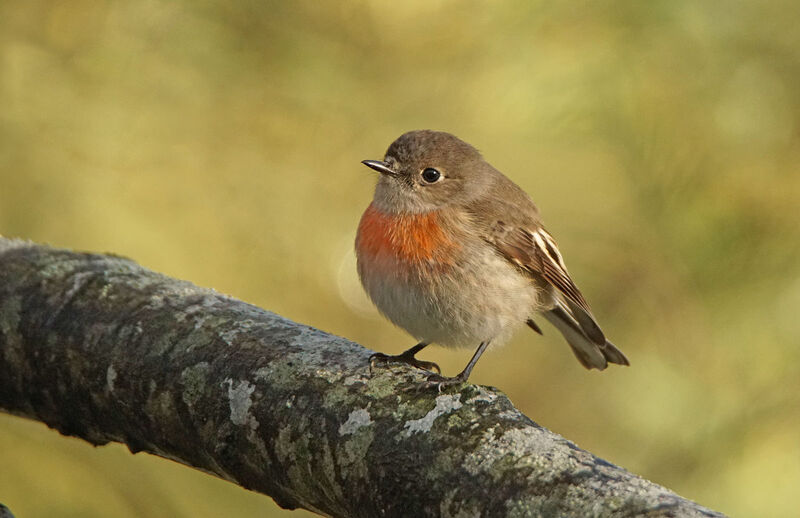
x,y
485,299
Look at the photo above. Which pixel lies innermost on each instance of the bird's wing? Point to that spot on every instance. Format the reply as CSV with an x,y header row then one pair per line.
x,y
535,251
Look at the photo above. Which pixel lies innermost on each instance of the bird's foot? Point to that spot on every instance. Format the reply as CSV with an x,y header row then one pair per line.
x,y
380,358
442,382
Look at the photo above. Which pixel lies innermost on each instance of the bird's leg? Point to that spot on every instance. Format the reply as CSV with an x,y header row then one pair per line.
x,y
438,381
406,357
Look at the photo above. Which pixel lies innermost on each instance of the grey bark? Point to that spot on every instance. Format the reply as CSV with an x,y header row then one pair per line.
x,y
100,348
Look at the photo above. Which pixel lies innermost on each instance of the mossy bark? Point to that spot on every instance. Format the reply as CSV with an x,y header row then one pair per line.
x,y
100,348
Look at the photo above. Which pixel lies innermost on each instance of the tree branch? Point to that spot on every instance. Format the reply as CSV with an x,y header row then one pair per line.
x,y
102,349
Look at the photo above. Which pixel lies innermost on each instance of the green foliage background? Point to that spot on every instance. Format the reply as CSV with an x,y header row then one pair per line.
x,y
220,142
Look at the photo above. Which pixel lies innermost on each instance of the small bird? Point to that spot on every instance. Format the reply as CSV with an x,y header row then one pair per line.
x,y
455,253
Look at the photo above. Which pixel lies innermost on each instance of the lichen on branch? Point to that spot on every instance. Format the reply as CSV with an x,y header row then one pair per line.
x,y
100,348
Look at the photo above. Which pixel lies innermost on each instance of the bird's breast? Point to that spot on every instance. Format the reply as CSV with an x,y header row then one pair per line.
x,y
414,239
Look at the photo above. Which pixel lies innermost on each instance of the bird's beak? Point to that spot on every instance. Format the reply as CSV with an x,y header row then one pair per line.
x,y
381,167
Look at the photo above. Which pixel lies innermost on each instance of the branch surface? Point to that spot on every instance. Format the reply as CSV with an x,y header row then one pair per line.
x,y
100,348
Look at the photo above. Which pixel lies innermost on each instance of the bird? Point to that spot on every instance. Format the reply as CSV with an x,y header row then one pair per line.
x,y
455,253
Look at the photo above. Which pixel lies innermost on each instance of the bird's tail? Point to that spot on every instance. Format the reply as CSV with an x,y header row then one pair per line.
x,y
592,355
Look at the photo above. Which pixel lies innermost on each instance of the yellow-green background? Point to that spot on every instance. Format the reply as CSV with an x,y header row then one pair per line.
x,y
220,142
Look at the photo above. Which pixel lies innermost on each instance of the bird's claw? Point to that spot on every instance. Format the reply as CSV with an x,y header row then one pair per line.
x,y
441,382
402,358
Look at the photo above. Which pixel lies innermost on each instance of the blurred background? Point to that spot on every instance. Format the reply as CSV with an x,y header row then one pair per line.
x,y
220,142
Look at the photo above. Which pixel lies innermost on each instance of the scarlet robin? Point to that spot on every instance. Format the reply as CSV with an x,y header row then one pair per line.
x,y
455,253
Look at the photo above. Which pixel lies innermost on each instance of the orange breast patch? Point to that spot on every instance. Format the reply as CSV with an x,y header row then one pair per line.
x,y
407,237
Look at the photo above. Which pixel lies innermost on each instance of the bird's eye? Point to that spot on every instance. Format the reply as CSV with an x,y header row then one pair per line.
x,y
431,175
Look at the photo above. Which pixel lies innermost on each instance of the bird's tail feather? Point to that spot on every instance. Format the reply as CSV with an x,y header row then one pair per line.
x,y
590,354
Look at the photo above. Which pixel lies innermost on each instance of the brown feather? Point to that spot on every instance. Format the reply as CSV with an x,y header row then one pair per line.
x,y
535,251
533,325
